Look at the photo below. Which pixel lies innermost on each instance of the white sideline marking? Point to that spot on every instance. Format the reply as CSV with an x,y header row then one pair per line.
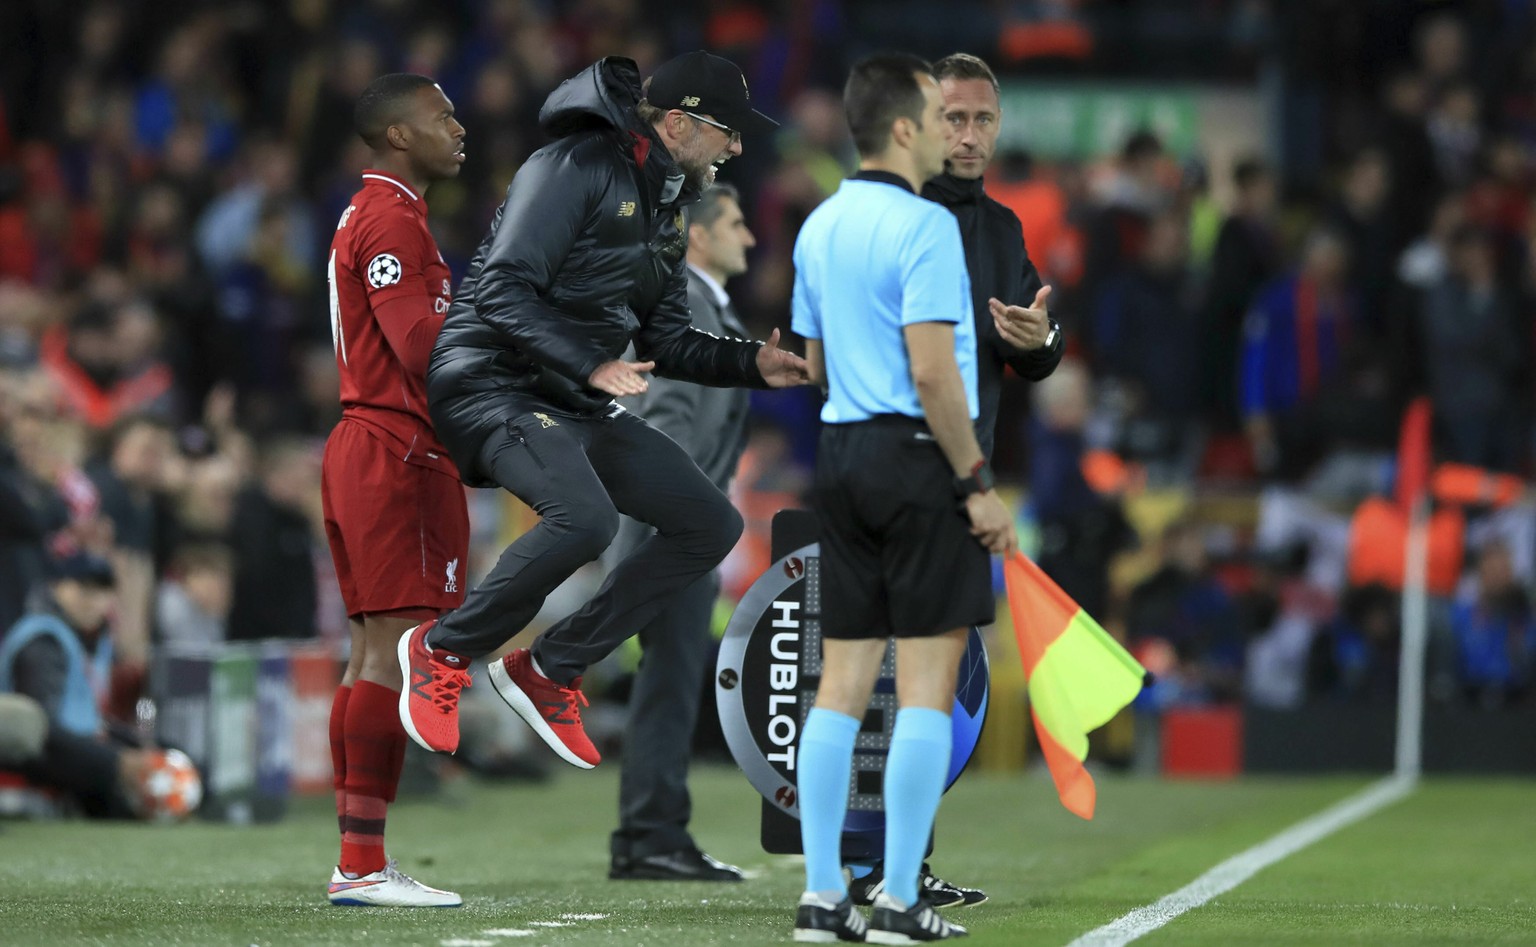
x,y
519,932
1239,868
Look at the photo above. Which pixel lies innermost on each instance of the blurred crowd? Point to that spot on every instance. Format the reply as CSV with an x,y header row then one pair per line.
x,y
1244,338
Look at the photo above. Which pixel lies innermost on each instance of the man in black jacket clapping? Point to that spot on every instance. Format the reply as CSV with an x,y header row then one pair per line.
x,y
585,256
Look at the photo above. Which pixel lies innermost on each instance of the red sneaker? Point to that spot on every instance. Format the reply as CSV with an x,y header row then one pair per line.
x,y
551,710
429,702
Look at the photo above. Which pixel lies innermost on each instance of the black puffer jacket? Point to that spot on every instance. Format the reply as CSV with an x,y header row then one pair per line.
x,y
585,256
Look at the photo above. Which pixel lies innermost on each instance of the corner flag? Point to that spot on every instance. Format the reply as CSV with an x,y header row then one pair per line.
x,y
1079,677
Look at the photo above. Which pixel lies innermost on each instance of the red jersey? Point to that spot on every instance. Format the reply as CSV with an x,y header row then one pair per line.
x,y
383,252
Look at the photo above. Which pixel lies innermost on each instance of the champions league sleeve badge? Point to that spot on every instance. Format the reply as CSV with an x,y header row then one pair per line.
x,y
765,685
383,270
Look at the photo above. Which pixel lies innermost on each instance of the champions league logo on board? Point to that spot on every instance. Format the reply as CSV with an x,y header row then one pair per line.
x,y
765,684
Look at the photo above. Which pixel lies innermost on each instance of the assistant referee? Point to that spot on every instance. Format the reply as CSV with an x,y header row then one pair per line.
x,y
903,491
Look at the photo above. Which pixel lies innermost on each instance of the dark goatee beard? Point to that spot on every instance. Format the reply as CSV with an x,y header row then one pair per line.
x,y
697,178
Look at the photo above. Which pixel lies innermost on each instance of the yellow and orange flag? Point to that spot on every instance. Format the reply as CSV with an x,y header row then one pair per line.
x,y
1079,677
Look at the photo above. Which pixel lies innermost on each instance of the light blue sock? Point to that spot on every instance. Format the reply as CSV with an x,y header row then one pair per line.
x,y
915,769
823,764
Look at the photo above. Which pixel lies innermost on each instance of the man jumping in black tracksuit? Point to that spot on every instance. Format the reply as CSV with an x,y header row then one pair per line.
x,y
585,256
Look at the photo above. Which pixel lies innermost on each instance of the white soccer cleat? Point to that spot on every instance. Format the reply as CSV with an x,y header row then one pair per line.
x,y
388,888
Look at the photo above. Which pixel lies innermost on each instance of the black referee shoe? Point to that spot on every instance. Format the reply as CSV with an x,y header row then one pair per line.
x,y
920,923
930,887
818,921
687,864
944,894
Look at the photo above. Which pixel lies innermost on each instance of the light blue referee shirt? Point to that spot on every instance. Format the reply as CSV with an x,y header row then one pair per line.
x,y
873,258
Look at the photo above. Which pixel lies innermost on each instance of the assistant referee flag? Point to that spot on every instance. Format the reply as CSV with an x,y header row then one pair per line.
x,y
1079,677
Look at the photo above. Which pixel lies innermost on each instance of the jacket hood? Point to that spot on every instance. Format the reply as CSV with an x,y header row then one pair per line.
x,y
603,94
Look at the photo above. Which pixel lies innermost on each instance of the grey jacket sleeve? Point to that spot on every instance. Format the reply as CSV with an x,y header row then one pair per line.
x,y
683,352
671,406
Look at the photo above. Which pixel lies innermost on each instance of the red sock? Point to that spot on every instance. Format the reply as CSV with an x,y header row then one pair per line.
x,y
375,740
396,764
339,751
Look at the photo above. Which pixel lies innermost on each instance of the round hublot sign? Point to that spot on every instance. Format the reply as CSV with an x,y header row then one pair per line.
x,y
765,684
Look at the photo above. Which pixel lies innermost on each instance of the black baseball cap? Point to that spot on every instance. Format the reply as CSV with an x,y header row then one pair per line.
x,y
710,85
87,568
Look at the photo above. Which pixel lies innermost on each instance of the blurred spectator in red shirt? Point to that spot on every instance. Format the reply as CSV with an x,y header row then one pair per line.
x,y
106,362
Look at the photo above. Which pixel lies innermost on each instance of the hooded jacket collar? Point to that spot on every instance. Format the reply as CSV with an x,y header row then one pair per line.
x,y
949,190
604,95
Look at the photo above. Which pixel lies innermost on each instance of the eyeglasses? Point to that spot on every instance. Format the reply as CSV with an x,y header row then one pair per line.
x,y
730,132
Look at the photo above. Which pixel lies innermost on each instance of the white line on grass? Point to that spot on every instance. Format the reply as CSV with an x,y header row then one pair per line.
x,y
566,921
1239,868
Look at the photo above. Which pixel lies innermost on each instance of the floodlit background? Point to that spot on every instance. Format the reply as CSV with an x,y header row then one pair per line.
x,y
1223,492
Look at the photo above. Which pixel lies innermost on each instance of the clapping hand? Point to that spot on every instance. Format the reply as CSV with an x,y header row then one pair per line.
x,y
1023,328
781,369
620,378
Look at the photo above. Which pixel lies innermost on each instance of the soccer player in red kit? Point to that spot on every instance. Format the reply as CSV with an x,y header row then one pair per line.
x,y
395,514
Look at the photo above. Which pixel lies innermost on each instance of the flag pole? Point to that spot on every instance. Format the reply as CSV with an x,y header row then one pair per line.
x,y
1410,677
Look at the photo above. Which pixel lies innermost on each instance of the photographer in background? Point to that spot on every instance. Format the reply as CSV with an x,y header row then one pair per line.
x,y
60,655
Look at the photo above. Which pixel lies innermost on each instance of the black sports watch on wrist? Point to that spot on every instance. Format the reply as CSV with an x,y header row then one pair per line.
x,y
979,481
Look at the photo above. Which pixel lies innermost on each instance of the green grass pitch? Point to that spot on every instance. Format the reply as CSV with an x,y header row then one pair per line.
x,y
1455,863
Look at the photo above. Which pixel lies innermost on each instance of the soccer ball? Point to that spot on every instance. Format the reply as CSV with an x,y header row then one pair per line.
x,y
171,789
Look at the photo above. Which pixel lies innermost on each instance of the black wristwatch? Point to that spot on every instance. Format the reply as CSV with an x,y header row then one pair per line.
x,y
979,481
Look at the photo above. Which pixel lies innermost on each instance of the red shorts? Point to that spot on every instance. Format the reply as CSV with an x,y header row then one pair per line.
x,y
399,532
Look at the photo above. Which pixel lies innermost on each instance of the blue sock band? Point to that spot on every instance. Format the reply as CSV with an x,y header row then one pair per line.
x,y
915,769
823,764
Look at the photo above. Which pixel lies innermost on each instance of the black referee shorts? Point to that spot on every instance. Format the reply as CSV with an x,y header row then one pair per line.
x,y
897,554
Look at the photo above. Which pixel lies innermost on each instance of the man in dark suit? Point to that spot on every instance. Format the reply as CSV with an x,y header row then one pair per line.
x,y
652,840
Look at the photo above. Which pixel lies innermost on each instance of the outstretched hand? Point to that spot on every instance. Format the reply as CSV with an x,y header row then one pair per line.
x,y
620,378
781,369
1023,328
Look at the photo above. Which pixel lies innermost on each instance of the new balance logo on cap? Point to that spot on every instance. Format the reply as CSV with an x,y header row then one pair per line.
x,y
710,85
